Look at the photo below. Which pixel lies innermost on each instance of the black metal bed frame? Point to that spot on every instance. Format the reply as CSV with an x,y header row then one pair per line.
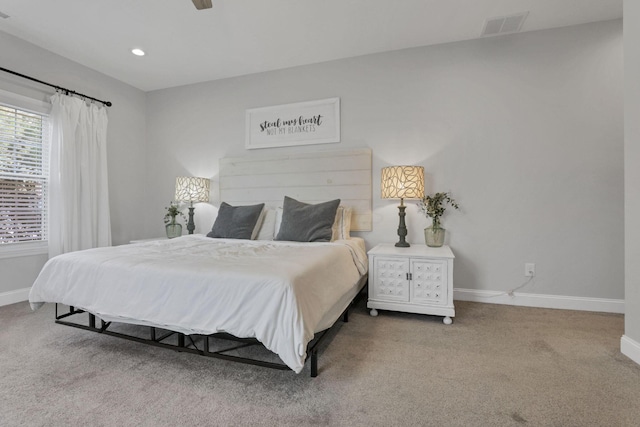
x,y
155,339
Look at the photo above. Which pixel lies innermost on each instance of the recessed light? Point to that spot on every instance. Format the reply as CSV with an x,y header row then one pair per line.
x,y
137,52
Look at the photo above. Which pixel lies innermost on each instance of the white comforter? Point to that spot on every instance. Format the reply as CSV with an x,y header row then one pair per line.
x,y
277,292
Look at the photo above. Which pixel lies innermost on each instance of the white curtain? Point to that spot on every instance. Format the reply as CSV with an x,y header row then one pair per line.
x,y
79,195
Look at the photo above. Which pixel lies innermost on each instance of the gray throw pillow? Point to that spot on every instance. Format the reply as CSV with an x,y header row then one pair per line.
x,y
236,222
302,222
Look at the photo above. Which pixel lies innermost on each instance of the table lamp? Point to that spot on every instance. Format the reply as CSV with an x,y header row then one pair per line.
x,y
402,182
192,189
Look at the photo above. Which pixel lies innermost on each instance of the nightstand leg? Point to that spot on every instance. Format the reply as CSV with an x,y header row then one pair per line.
x,y
373,312
447,320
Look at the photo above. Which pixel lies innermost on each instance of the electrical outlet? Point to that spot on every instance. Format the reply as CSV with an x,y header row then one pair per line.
x,y
529,269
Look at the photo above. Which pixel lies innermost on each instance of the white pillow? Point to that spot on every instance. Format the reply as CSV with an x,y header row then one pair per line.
x,y
258,226
342,224
278,220
267,228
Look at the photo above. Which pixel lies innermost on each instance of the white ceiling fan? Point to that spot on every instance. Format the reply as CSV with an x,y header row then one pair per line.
x,y
202,4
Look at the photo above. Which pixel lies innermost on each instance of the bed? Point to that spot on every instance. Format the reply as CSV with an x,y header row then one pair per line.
x,y
282,294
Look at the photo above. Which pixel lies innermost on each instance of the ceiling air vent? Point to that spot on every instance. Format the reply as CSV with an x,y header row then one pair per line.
x,y
503,24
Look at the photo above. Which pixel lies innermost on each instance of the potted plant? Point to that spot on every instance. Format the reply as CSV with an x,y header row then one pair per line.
x,y
173,228
433,207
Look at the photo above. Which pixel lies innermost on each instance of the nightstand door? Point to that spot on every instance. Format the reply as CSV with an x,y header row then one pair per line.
x,y
390,276
429,281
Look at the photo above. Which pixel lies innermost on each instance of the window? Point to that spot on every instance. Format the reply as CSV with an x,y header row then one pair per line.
x,y
24,176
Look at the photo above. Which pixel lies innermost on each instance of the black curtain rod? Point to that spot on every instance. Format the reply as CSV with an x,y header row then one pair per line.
x,y
65,90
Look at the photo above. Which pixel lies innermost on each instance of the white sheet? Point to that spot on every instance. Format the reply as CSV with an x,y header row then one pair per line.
x,y
277,292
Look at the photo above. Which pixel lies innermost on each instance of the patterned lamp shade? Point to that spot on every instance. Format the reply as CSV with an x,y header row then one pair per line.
x,y
402,182
192,189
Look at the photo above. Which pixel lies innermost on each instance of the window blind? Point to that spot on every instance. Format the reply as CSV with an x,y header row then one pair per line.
x,y
24,175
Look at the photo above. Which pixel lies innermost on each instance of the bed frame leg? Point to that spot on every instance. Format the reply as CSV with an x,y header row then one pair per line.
x,y
314,363
92,321
345,316
180,340
206,345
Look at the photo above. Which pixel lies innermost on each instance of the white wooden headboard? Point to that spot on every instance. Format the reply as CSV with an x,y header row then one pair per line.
x,y
312,177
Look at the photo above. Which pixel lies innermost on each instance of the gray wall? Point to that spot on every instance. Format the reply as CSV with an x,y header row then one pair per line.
x,y
126,140
632,173
525,130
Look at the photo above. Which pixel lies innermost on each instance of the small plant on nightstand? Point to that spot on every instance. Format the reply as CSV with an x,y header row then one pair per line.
x,y
433,206
173,228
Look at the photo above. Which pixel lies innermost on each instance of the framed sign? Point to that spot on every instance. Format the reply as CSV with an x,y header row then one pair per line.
x,y
302,123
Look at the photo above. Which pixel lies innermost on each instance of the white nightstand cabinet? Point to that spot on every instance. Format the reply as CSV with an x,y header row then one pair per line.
x,y
417,279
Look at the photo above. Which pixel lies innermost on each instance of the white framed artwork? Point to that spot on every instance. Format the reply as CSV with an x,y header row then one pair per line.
x,y
301,123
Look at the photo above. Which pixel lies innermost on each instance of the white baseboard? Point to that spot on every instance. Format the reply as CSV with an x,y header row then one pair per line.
x,y
13,297
630,348
541,301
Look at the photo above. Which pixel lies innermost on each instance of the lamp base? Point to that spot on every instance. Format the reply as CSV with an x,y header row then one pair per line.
x,y
402,228
191,225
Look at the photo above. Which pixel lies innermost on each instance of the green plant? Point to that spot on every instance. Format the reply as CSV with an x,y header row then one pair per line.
x,y
435,205
172,212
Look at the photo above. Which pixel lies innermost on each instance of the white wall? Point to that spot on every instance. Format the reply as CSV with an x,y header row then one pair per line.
x,y
126,143
525,130
631,339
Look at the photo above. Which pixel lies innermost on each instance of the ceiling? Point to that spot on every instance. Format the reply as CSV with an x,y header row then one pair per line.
x,y
238,37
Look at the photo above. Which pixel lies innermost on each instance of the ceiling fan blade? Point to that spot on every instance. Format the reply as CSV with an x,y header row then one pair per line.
x,y
202,4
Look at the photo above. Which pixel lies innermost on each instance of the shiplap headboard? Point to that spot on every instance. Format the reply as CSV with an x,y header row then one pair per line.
x,y
311,178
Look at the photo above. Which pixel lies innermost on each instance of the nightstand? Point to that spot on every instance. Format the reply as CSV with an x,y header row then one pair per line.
x,y
417,279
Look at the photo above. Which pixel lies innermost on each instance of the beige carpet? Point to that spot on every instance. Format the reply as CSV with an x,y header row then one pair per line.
x,y
495,366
